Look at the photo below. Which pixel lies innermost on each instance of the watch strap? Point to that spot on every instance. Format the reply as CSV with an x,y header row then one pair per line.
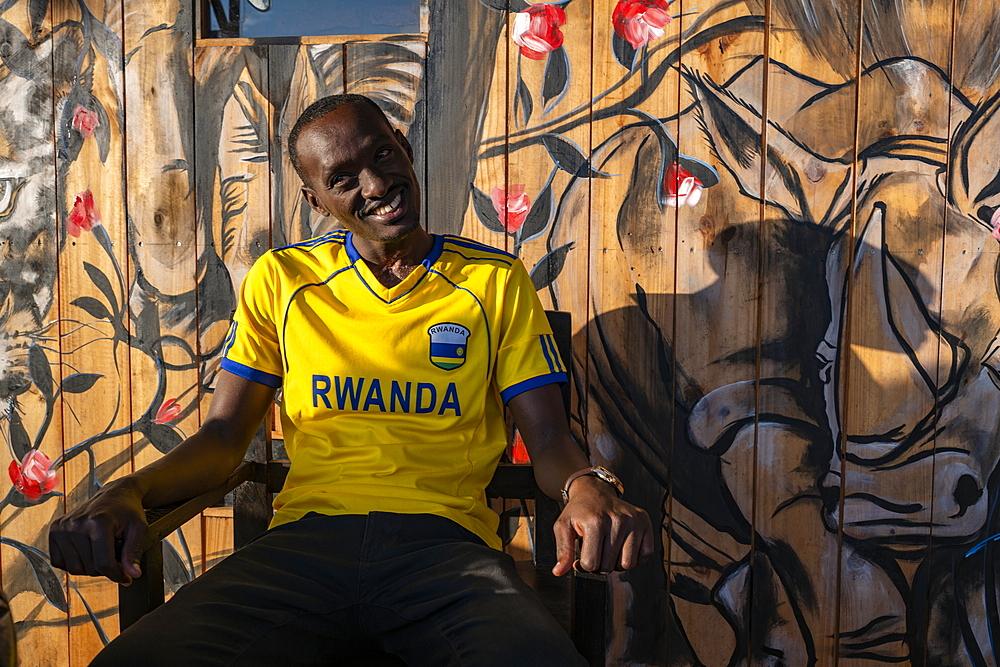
x,y
600,472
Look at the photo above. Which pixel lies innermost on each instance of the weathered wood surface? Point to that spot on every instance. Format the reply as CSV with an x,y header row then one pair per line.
x,y
795,375
89,317
32,372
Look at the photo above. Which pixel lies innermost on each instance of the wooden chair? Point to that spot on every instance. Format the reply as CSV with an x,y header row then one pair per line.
x,y
578,600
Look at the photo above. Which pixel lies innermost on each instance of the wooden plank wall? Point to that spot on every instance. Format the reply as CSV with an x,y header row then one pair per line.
x,y
772,221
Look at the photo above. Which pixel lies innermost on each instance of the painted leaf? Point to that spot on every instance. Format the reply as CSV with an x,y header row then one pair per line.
x,y
549,267
94,308
102,133
40,371
556,79
37,9
102,283
567,156
163,437
93,617
703,171
483,206
522,103
49,582
107,42
540,215
20,442
175,572
624,53
79,382
70,141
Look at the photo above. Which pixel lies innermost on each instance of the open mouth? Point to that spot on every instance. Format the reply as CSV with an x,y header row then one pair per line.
x,y
389,212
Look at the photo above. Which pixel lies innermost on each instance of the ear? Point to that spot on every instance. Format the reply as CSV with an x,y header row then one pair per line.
x,y
974,177
809,188
313,201
401,138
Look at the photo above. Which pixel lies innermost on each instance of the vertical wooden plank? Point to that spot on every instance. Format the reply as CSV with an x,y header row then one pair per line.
x,y
30,407
895,365
628,304
218,532
93,292
715,348
460,76
797,618
233,115
490,169
954,605
298,76
163,244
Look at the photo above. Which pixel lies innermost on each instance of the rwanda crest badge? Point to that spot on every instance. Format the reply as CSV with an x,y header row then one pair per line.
x,y
449,345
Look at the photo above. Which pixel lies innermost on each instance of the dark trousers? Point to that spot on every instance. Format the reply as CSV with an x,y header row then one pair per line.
x,y
339,590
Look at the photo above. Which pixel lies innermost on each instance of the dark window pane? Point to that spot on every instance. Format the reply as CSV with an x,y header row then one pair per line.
x,y
303,18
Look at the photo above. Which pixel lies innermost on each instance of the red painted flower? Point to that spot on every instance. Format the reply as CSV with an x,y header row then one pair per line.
x,y
34,476
682,186
518,452
167,412
995,224
639,21
536,30
84,215
85,120
512,207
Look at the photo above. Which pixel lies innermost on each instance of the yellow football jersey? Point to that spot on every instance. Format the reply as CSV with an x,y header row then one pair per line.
x,y
392,397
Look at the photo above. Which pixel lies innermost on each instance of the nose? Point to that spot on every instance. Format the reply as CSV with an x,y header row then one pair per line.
x,y
374,184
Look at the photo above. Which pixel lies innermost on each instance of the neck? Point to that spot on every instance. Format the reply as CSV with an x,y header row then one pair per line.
x,y
391,262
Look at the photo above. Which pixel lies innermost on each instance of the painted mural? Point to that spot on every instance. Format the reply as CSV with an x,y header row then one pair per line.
x,y
776,226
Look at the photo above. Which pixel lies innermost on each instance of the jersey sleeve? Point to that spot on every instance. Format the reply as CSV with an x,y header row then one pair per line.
x,y
527,356
251,349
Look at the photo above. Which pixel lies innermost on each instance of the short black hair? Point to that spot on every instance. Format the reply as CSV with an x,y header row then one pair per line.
x,y
320,108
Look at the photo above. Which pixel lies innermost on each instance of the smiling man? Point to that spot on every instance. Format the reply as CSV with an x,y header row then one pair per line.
x,y
396,351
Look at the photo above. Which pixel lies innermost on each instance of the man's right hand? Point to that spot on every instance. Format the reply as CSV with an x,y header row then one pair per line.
x,y
82,541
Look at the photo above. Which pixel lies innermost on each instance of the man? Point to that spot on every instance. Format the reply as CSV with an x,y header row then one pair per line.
x,y
393,347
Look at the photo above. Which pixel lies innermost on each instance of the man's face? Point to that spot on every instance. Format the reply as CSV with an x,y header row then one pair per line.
x,y
360,171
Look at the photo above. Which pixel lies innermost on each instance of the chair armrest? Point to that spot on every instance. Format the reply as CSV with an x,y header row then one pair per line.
x,y
168,518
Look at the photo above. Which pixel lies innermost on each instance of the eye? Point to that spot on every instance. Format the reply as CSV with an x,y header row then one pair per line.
x,y
339,179
383,153
9,188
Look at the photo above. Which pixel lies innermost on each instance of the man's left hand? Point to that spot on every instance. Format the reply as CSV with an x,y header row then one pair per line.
x,y
614,535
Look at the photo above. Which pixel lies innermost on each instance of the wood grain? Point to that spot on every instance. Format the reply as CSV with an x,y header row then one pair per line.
x,y
30,245
163,242
94,345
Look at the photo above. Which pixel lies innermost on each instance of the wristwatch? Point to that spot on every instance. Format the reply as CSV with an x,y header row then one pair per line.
x,y
600,473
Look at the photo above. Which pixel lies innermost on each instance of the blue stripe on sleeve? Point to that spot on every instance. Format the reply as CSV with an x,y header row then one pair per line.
x,y
545,351
532,383
555,353
260,377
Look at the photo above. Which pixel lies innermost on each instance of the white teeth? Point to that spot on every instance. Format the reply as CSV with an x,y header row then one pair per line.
x,y
390,207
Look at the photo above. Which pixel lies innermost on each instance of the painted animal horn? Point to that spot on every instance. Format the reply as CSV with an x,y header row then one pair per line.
x,y
895,348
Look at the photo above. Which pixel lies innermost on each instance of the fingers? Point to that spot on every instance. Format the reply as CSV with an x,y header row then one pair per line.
x,y
86,546
565,546
131,550
614,541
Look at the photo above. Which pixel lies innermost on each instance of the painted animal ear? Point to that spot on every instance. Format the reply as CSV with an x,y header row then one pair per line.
x,y
808,187
974,177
